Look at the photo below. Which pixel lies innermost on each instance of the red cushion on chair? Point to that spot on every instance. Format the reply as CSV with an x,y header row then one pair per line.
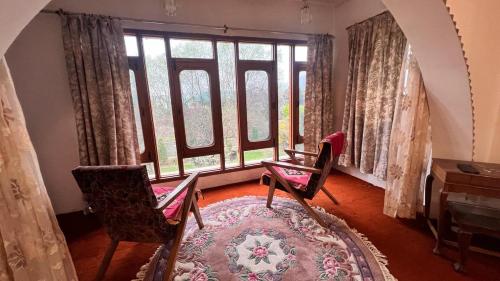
x,y
172,211
336,140
297,179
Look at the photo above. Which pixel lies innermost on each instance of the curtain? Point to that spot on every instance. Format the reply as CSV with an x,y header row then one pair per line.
x,y
318,111
100,87
32,247
410,145
376,49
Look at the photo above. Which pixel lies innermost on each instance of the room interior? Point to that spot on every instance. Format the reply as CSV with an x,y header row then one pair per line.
x,y
419,97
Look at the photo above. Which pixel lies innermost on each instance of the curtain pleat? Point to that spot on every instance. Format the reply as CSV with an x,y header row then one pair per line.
x,y
410,145
100,87
32,247
318,110
376,49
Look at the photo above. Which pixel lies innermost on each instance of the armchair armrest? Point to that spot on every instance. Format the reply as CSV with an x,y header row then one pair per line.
x,y
190,182
270,164
307,153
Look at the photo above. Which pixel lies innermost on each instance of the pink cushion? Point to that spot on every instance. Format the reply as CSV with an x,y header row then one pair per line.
x,y
174,209
297,179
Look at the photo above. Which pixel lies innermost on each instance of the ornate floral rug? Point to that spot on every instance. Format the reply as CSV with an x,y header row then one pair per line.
x,y
244,240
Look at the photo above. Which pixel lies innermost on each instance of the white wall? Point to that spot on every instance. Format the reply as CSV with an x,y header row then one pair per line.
x,y
347,14
37,63
14,16
478,25
430,31
38,68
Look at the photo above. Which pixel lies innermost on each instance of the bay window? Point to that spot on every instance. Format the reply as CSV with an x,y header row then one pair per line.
x,y
214,103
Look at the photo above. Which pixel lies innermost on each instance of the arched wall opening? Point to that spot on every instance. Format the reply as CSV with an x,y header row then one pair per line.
x,y
428,27
426,24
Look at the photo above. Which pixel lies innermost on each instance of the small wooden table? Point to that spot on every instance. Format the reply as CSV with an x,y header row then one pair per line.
x,y
479,189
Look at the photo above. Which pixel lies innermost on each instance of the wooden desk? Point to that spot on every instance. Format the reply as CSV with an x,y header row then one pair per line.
x,y
451,179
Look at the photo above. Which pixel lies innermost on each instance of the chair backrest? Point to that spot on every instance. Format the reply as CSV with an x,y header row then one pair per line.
x,y
330,149
124,202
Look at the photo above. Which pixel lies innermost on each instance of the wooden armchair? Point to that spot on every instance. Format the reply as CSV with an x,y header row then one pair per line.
x,y
132,210
304,182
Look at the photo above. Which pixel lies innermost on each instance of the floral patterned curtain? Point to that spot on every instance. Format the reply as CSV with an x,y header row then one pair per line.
x,y
318,111
100,87
376,49
410,146
32,247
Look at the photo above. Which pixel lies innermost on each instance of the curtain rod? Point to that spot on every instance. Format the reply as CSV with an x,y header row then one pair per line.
x,y
224,28
386,11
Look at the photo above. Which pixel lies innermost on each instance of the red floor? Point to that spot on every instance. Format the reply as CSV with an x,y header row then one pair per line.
x,y
407,244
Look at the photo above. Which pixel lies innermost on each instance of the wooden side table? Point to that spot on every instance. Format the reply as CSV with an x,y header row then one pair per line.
x,y
451,180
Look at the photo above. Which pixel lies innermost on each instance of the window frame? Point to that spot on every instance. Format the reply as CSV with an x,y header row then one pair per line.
x,y
296,69
176,65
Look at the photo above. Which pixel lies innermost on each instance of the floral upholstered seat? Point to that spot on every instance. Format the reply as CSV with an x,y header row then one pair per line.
x,y
131,209
297,179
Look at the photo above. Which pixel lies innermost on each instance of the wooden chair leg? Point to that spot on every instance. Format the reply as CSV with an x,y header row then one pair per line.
x,y
464,239
196,212
334,200
306,206
297,197
272,187
106,260
174,250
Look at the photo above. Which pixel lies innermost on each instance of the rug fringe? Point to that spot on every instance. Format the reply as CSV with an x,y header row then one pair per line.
x,y
380,258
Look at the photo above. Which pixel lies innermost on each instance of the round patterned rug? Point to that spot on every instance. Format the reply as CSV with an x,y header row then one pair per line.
x,y
244,240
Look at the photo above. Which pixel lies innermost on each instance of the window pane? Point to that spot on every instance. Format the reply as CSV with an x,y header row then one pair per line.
x,y
197,108
151,170
255,156
137,113
191,49
300,147
302,95
202,163
283,99
300,53
227,77
257,99
131,46
159,91
254,51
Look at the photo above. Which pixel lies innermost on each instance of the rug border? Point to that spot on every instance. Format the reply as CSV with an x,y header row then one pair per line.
x,y
376,254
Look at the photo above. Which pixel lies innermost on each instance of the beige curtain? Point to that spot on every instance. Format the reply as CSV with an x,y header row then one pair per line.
x,y
100,87
410,145
318,111
376,49
32,247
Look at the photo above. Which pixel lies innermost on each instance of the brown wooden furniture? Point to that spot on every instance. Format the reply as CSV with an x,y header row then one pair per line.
x,y
473,214
132,210
465,198
304,182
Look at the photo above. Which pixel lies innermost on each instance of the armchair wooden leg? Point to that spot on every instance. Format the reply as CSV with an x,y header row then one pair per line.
x,y
308,208
330,195
270,195
196,213
106,260
173,251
